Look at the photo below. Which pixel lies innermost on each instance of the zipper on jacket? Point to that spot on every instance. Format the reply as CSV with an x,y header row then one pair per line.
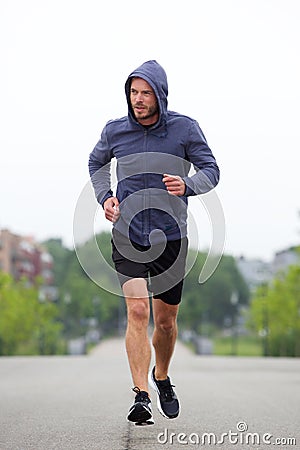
x,y
146,212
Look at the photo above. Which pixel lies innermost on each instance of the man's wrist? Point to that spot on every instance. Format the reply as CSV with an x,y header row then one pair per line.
x,y
103,200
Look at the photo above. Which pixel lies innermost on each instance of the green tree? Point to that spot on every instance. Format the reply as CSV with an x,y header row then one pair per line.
x,y
61,256
26,325
79,297
16,318
275,314
211,301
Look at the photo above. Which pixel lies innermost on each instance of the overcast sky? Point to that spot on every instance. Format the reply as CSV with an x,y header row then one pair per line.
x,y
232,65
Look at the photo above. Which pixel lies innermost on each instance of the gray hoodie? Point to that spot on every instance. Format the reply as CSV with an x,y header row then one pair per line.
x,y
143,155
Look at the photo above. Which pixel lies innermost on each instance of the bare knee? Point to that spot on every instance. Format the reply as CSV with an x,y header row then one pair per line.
x,y
138,311
166,324
165,317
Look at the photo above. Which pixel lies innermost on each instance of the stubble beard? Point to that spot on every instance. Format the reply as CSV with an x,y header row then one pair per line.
x,y
147,114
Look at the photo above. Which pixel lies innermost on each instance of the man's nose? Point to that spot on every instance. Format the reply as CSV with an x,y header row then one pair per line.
x,y
139,97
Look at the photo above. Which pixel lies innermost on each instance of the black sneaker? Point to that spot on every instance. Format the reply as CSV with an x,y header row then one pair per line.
x,y
140,412
167,401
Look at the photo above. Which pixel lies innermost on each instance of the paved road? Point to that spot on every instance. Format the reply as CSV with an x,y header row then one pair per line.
x,y
80,403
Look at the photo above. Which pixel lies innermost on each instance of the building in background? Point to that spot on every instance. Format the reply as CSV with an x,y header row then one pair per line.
x,y
22,256
256,271
286,258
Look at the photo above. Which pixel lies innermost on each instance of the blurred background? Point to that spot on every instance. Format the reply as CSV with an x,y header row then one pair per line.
x,y
234,67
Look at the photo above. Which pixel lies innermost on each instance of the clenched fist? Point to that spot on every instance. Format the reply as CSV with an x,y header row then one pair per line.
x,y
174,184
111,209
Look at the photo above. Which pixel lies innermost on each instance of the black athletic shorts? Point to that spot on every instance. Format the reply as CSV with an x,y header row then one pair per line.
x,y
161,265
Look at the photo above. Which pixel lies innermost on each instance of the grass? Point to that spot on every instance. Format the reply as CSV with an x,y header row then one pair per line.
x,y
242,346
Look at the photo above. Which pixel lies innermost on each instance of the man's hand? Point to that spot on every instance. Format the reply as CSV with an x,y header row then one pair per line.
x,y
111,209
174,184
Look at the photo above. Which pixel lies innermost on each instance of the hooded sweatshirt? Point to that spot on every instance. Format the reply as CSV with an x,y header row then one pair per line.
x,y
143,154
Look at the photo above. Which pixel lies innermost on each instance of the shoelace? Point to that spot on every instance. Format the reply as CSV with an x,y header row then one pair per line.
x,y
166,389
136,390
140,395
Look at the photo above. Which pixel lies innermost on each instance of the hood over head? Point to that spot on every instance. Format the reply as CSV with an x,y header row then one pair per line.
x,y
154,74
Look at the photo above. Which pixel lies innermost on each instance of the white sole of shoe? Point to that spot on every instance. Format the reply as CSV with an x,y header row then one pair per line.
x,y
155,388
141,416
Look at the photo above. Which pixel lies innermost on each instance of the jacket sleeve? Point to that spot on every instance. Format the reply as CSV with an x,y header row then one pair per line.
x,y
200,155
99,168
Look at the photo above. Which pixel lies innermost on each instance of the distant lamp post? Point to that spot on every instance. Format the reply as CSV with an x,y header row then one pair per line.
x,y
67,298
234,300
96,303
265,331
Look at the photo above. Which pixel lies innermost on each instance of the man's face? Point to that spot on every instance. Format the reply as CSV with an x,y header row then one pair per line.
x,y
143,101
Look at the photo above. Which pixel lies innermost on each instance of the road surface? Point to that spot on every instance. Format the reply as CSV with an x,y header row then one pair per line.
x,y
81,402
